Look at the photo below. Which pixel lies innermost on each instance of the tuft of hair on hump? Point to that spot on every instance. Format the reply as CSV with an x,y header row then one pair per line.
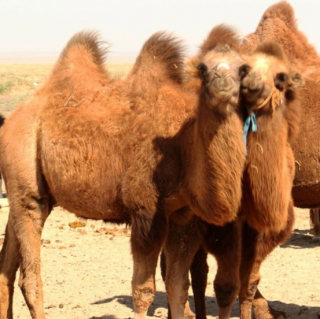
x,y
220,36
166,49
282,10
91,42
271,48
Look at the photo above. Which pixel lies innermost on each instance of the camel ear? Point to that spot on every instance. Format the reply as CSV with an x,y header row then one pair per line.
x,y
244,70
281,81
202,68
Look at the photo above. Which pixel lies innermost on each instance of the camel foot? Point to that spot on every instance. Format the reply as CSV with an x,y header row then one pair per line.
x,y
188,313
263,310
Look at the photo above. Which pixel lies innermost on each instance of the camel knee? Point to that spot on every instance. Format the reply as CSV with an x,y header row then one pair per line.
x,y
226,294
37,207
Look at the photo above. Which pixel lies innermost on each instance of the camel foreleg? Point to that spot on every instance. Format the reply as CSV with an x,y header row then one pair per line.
x,y
256,247
147,236
182,243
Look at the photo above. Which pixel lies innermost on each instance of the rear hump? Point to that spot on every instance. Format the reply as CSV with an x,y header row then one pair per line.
x,y
162,57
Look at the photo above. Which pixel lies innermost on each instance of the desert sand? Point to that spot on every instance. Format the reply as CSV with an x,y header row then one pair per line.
x,y
87,271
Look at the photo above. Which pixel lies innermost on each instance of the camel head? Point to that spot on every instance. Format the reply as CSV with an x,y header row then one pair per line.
x,y
265,77
219,73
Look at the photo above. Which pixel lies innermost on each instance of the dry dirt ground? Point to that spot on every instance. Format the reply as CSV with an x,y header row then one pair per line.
x,y
87,273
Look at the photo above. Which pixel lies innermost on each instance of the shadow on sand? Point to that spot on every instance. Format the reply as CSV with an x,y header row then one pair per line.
x,y
160,301
301,239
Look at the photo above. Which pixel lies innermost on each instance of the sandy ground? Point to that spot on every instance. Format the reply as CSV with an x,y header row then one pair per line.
x,y
87,273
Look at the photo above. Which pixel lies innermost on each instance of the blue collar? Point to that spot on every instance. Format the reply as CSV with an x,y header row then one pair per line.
x,y
250,120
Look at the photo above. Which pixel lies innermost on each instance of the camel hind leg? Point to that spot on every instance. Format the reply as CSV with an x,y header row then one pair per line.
x,y
29,237
26,220
9,263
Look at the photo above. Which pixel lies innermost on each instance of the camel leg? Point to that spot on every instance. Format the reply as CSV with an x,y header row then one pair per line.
x,y
199,274
315,221
29,216
249,270
188,314
181,245
225,244
256,247
9,263
147,236
263,310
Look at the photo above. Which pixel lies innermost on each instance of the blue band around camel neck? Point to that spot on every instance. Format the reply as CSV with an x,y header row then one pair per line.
x,y
250,121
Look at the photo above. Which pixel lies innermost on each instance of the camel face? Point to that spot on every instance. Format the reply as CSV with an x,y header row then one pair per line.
x,y
261,78
220,76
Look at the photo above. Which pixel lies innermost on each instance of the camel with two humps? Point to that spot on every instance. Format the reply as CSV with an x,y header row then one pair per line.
x,y
218,60
133,150
280,24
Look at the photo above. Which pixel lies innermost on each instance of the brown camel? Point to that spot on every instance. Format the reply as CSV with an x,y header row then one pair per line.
x,y
218,59
268,93
118,150
279,24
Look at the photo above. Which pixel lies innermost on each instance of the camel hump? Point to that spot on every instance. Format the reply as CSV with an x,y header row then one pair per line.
x,y
271,48
283,11
162,55
221,35
84,54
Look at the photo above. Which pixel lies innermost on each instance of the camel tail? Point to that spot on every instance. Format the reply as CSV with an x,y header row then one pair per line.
x,y
161,57
83,56
221,35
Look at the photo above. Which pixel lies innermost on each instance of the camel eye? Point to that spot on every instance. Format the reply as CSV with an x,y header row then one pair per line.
x,y
244,70
202,68
281,81
282,77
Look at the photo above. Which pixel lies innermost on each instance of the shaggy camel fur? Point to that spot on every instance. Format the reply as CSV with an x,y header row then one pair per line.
x,y
218,60
139,165
267,91
267,207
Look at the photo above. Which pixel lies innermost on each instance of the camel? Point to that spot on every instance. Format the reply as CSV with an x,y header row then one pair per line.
x,y
279,24
218,59
269,95
153,141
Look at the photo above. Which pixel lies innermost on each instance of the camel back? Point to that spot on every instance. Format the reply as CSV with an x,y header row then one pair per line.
x,y
279,24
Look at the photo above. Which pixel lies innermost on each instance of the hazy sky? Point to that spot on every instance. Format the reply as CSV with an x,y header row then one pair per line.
x,y
44,26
